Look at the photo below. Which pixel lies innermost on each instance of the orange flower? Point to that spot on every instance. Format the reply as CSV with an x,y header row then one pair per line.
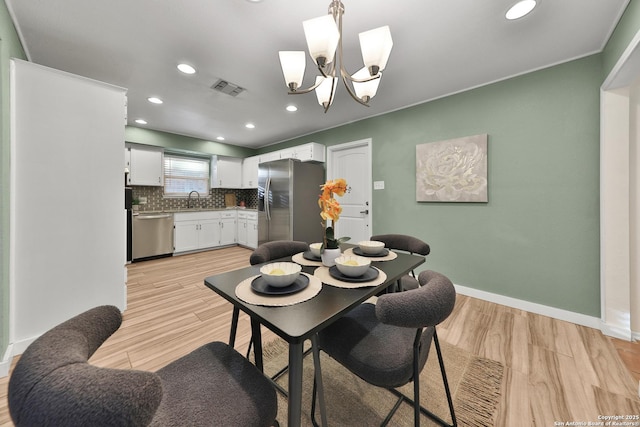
x,y
330,210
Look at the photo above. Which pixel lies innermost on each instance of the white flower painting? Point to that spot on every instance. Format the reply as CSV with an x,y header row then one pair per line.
x,y
454,170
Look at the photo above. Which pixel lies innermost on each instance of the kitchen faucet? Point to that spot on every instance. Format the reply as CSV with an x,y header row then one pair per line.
x,y
189,199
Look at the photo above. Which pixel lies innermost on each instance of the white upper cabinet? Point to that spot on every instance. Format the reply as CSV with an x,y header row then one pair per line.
x,y
311,152
268,157
250,172
226,172
145,165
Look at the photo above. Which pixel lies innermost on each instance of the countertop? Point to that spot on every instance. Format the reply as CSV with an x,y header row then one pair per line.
x,y
237,208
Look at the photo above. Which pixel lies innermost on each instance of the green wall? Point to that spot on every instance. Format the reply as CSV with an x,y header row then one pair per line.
x,y
10,47
625,31
184,143
538,237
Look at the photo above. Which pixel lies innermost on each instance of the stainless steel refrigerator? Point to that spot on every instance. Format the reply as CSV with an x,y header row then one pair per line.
x,y
288,192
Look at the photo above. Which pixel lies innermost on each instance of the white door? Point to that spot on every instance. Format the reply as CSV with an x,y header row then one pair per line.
x,y
352,161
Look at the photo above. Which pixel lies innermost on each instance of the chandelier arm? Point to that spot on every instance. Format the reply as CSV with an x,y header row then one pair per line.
x,y
350,78
307,90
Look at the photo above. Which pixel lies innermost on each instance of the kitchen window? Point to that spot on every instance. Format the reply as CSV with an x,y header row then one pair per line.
x,y
184,174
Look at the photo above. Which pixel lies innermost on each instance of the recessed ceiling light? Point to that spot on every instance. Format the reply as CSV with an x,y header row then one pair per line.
x,y
154,100
250,126
220,138
292,108
141,121
520,9
186,68
254,1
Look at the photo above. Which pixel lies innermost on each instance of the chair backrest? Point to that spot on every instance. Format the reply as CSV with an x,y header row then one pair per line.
x,y
425,306
52,383
277,249
403,242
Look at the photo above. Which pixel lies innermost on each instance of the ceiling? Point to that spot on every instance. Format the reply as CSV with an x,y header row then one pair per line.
x,y
440,47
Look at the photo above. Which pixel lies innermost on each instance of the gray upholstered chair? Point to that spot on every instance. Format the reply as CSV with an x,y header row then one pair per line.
x,y
403,242
387,344
54,385
277,249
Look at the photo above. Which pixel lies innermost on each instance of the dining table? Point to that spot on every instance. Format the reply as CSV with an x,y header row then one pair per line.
x,y
301,321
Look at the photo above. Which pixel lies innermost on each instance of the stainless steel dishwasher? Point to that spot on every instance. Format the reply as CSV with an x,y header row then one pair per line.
x,y
152,235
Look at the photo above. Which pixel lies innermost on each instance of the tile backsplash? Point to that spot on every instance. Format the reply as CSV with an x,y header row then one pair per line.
x,y
157,202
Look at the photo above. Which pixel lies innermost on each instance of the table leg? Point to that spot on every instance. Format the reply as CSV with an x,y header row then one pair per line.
x,y
234,326
256,337
318,378
295,384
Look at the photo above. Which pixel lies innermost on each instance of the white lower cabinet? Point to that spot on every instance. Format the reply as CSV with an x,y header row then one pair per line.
x,y
228,228
196,230
248,229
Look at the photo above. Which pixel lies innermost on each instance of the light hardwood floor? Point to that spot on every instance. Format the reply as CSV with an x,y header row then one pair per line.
x,y
555,371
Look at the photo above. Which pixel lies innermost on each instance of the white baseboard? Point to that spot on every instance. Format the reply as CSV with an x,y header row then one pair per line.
x,y
5,363
556,313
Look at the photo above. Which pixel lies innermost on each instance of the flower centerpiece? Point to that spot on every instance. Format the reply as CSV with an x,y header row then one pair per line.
x,y
330,211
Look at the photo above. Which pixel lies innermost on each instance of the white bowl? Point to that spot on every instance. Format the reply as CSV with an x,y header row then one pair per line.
x,y
371,247
280,274
315,248
352,266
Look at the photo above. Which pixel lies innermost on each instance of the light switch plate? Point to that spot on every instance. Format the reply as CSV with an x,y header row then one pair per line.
x,y
378,185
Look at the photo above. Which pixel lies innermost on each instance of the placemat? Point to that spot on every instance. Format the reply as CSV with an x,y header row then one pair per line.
x,y
390,256
246,294
300,259
323,274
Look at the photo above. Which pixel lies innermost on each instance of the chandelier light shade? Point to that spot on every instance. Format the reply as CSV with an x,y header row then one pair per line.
x,y
293,64
365,89
324,41
376,47
326,90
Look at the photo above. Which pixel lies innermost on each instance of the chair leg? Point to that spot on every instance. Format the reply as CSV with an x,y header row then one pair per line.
x,y
454,422
416,389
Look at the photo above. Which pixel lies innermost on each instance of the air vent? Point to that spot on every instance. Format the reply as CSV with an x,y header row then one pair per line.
x,y
228,88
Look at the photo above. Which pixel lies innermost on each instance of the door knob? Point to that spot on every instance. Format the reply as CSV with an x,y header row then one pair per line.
x,y
366,212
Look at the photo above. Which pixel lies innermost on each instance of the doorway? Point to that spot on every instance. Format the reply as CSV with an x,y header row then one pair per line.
x,y
352,161
620,196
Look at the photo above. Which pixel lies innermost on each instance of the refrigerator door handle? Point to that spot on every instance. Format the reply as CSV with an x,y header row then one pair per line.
x,y
266,199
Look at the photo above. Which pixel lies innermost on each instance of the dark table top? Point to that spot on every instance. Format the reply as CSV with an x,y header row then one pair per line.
x,y
298,322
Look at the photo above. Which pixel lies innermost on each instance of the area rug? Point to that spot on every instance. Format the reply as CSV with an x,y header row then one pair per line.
x,y
475,385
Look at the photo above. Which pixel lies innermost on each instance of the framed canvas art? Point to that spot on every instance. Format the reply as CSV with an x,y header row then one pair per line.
x,y
454,170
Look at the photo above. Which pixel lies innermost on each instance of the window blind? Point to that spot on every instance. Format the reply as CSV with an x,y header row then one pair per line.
x,y
185,174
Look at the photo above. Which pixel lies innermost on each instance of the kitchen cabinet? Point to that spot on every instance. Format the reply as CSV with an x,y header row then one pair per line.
x,y
196,230
250,172
145,165
228,221
267,157
226,172
203,230
248,229
311,152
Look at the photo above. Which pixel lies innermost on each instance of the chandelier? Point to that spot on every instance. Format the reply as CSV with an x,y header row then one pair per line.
x,y
324,40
